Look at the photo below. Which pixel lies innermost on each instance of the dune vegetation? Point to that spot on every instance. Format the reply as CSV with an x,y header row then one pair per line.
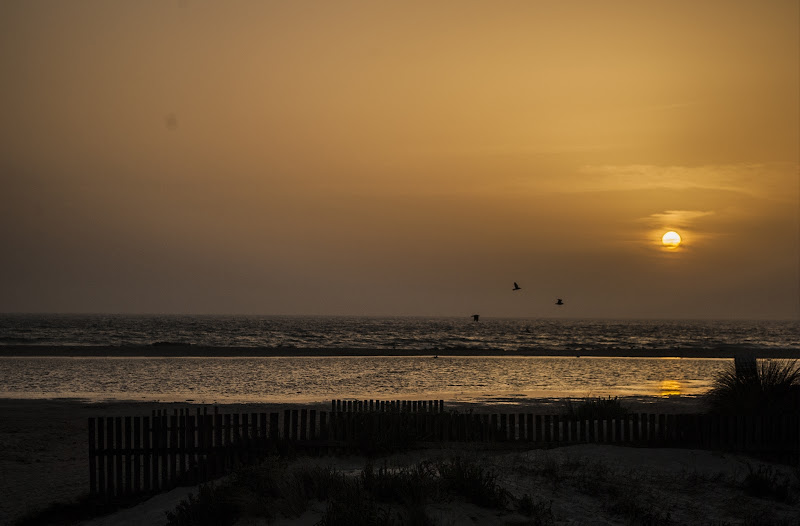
x,y
766,387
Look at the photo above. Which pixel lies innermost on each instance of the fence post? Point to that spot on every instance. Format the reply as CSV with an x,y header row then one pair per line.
x,y
672,428
242,425
528,426
167,467
188,469
274,431
199,462
213,422
110,456
183,452
323,426
137,456
547,431
155,452
92,459
147,453
118,453
209,424
128,459
262,430
101,470
216,443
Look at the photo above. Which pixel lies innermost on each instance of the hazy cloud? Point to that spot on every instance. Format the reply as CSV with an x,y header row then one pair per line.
x,y
771,181
675,218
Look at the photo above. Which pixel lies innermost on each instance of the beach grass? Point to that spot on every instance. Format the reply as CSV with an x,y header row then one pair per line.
x,y
374,496
595,409
770,387
524,489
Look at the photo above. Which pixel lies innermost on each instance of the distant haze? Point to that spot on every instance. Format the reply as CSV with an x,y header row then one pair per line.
x,y
403,158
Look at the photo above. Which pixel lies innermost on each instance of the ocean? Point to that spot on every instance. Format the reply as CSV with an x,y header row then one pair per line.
x,y
207,378
397,333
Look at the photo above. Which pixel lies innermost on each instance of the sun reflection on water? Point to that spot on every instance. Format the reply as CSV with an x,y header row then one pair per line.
x,y
670,387
287,379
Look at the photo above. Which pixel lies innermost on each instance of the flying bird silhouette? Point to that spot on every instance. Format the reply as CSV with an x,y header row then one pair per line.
x,y
559,302
516,287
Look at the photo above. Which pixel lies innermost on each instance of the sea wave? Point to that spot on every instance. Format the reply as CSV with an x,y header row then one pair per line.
x,y
398,334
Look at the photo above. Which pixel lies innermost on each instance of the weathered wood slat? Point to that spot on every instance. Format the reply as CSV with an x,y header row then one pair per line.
x,y
128,445
110,488
92,457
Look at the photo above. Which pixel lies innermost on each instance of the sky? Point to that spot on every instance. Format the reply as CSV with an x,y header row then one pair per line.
x,y
407,158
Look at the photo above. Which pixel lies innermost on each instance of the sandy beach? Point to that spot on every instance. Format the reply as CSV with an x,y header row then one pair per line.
x,y
43,447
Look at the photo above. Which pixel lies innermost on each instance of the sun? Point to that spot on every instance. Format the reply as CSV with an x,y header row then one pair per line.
x,y
671,239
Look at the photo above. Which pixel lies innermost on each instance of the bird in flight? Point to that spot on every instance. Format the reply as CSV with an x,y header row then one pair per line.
x,y
559,302
516,287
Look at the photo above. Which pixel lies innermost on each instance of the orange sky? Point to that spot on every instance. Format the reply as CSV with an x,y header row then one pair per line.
x,y
410,158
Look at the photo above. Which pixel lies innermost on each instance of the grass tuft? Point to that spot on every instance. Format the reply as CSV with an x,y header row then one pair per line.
x,y
768,483
413,486
472,482
595,409
773,387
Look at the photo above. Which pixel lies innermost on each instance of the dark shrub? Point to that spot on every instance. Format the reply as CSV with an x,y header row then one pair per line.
x,y
772,387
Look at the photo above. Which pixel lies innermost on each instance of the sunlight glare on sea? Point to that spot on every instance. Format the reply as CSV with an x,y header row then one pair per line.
x,y
298,379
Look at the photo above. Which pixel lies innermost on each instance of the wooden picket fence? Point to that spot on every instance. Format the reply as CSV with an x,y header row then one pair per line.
x,y
136,455
390,406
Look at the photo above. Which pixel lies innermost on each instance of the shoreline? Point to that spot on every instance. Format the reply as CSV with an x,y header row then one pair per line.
x,y
199,351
